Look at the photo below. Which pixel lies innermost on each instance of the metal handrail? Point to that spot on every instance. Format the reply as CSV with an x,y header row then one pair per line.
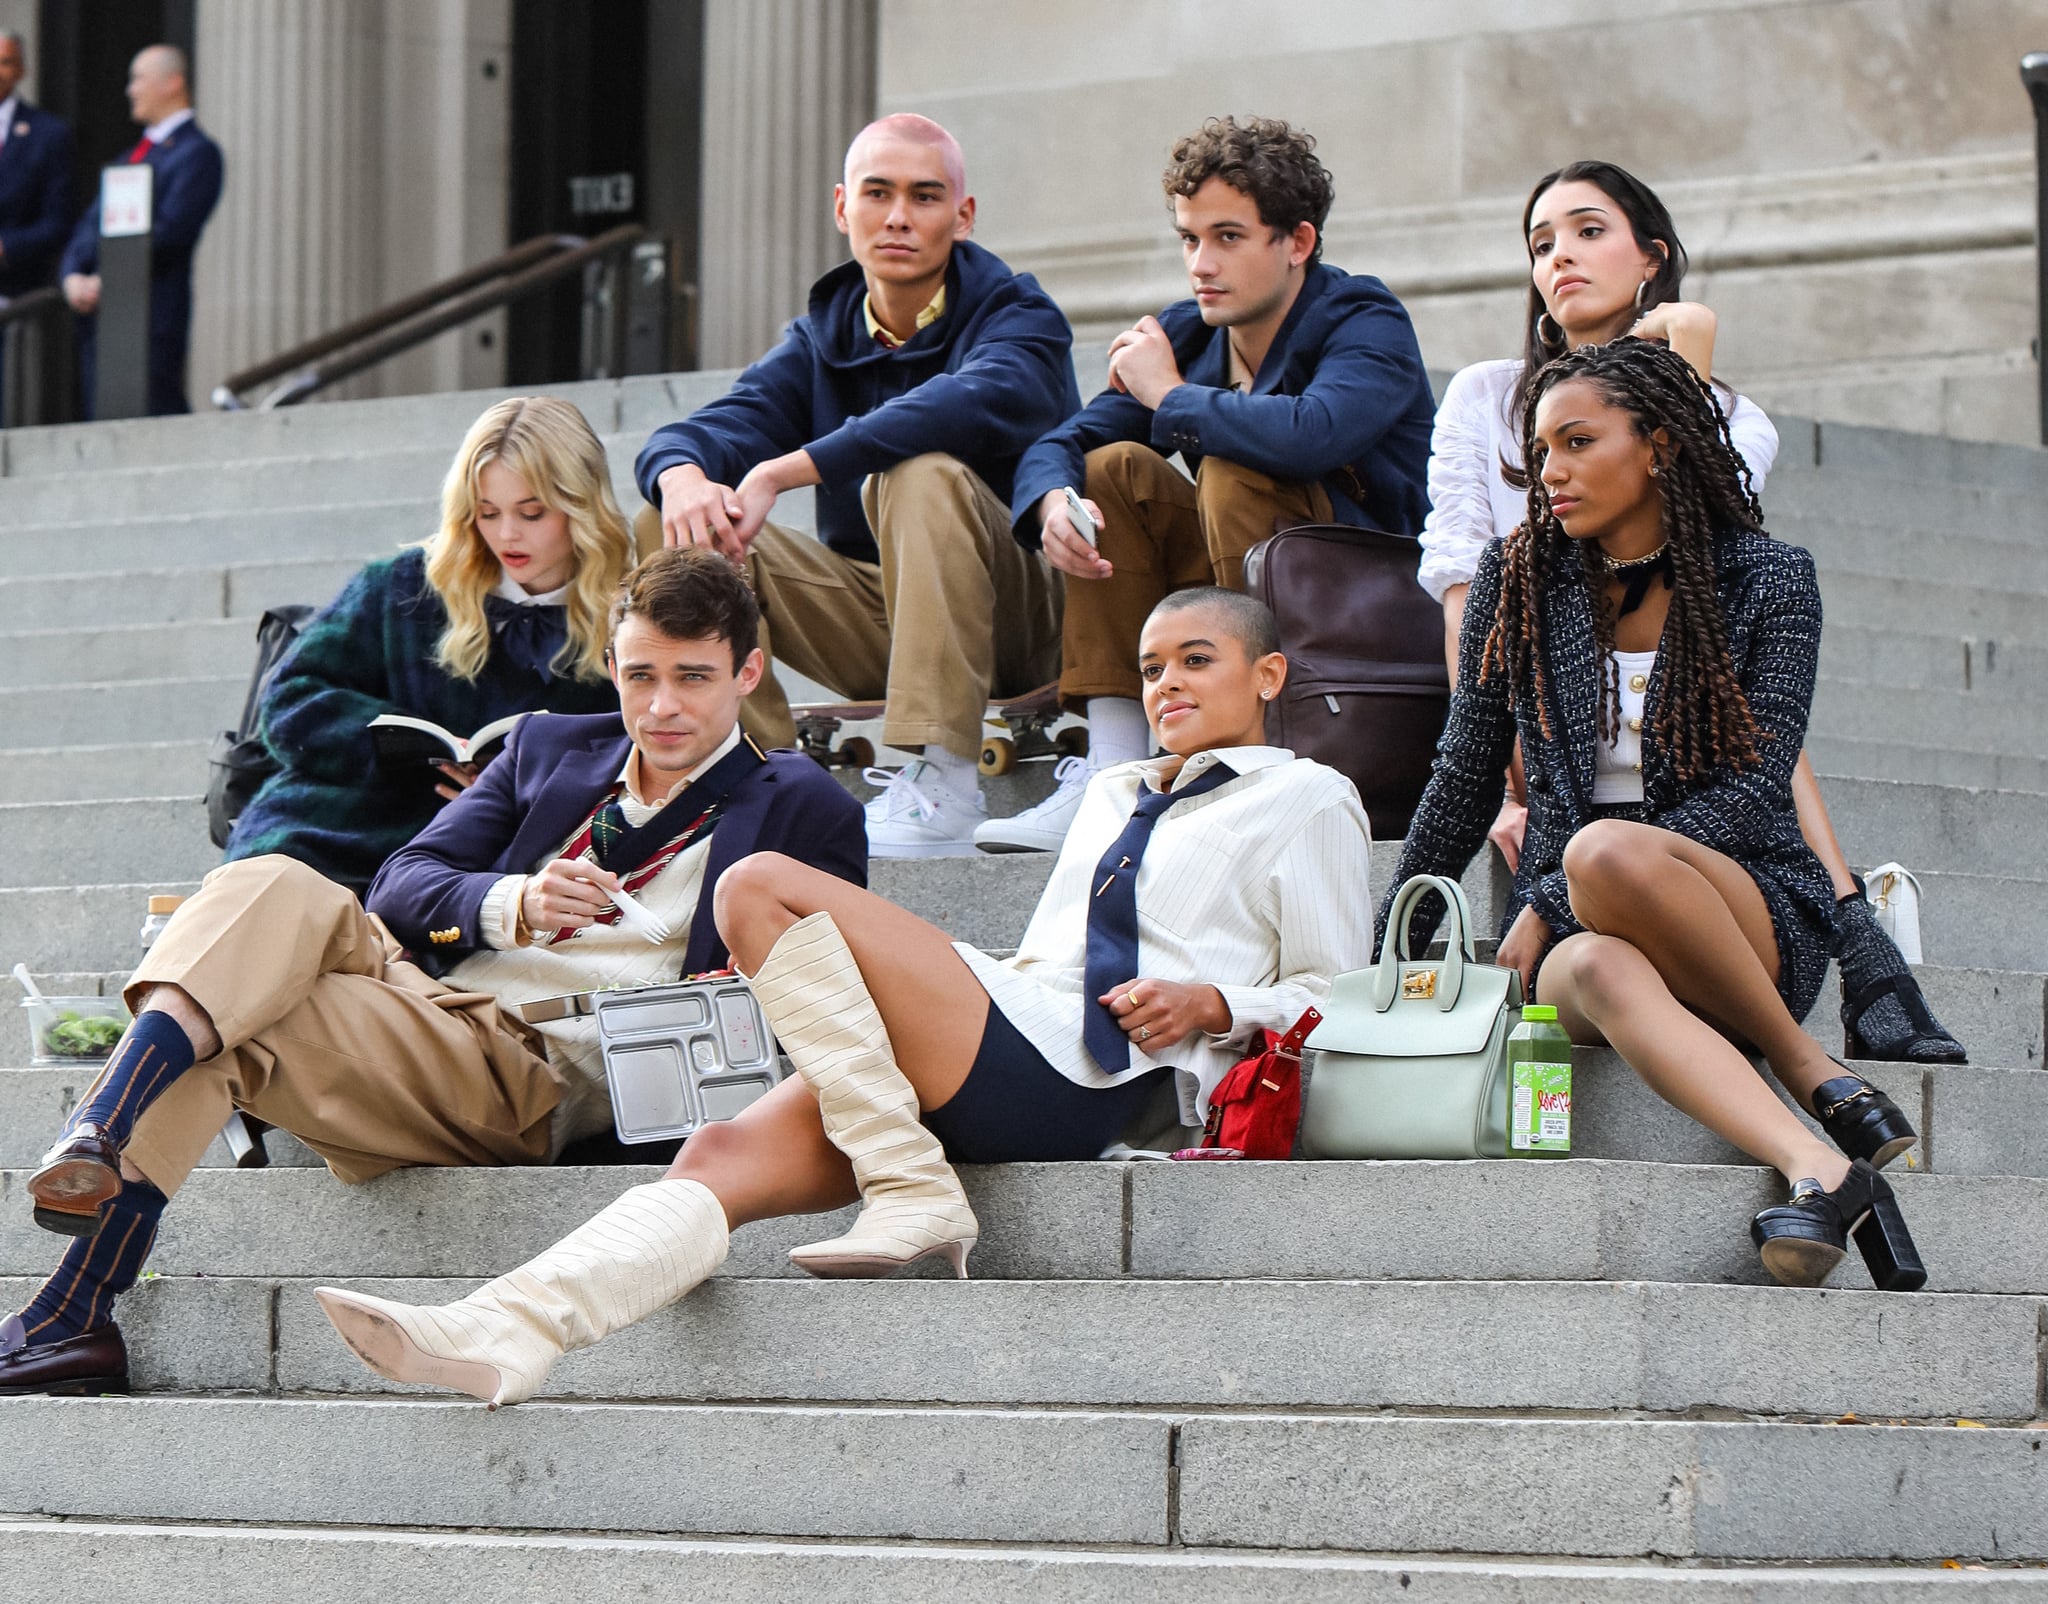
x,y
347,351
33,304
2034,74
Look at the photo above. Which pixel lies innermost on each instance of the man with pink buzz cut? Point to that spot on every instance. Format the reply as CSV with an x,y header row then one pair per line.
x,y
906,394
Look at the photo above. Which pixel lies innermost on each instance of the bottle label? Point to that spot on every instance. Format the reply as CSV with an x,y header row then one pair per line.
x,y
1540,1108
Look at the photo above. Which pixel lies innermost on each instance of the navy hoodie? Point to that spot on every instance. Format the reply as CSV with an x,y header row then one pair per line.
x,y
980,383
1341,398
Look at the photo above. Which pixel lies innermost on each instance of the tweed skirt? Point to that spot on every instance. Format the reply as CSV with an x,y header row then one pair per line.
x,y
1804,929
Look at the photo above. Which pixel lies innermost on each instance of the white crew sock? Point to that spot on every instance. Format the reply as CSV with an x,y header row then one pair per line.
x,y
957,774
1117,731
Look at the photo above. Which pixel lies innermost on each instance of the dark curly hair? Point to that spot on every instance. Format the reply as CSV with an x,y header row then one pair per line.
x,y
1702,718
690,593
1273,163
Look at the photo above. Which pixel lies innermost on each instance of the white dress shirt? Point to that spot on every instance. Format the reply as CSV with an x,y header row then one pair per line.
x,y
1259,888
8,108
512,591
156,133
1470,503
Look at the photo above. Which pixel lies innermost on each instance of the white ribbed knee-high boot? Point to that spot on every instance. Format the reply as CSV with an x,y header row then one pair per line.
x,y
636,1255
812,993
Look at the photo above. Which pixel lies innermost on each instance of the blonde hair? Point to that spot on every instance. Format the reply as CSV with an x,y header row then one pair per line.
x,y
550,445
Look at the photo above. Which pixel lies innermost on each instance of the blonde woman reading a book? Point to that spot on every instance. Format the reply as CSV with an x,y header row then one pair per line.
x,y
502,612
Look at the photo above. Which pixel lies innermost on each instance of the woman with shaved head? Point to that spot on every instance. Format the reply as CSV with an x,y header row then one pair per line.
x,y
1200,898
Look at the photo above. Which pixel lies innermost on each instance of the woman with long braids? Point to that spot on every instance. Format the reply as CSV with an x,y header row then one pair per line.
x,y
1604,260
1655,651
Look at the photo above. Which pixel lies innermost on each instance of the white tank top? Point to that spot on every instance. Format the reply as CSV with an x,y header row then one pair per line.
x,y
1618,769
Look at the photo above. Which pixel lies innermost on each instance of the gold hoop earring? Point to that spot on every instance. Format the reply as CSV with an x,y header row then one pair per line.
x,y
1556,334
1642,290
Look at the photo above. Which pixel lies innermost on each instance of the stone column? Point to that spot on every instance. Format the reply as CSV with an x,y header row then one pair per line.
x,y
786,87
292,95
366,149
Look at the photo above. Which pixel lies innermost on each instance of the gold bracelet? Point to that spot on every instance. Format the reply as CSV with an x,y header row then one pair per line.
x,y
522,932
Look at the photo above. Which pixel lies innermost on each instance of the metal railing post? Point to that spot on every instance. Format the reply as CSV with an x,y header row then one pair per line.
x,y
2034,74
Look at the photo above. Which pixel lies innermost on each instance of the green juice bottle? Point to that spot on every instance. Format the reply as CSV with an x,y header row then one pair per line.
x,y
1539,1086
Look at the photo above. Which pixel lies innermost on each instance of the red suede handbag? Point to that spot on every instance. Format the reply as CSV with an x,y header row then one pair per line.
x,y
1256,1108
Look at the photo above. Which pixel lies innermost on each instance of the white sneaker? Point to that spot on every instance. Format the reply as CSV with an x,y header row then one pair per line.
x,y
919,816
1044,827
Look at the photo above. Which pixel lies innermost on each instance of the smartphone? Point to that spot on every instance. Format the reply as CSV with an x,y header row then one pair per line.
x,y
1077,514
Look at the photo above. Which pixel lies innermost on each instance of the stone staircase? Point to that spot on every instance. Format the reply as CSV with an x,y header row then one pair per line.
x,y
1448,1382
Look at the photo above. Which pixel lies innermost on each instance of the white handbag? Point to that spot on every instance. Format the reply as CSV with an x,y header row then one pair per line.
x,y
1410,1060
1895,898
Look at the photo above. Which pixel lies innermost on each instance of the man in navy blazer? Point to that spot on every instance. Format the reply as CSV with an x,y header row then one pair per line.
x,y
392,1037
35,181
189,172
1294,392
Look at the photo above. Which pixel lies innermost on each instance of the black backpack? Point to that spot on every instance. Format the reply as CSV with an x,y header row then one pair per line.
x,y
239,762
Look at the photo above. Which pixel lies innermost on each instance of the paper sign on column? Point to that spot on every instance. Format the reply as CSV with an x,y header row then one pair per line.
x,y
125,200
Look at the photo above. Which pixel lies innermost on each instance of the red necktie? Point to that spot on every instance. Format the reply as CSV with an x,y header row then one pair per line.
x,y
140,153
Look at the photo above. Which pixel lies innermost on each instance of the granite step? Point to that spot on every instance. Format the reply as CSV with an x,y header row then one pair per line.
x,y
1770,1351
251,1565
1396,1483
1881,758
1549,1220
142,711
164,595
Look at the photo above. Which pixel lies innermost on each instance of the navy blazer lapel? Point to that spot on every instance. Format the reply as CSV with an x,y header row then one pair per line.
x,y
1275,367
567,794
739,829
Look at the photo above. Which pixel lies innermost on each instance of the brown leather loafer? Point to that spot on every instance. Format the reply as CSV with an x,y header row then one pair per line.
x,y
79,1174
95,1361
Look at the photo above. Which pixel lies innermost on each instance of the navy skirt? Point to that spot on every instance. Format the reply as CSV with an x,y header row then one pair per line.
x,y
1015,1108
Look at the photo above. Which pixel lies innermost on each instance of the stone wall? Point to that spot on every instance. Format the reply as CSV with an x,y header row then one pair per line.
x,y
1853,178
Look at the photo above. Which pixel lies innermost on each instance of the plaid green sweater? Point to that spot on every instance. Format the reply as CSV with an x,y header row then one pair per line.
x,y
371,651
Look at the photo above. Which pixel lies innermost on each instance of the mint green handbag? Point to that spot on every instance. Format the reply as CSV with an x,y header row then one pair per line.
x,y
1411,1058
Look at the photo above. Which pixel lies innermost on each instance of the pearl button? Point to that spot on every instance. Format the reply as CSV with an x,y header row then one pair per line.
x,y
1635,724
1637,767
1637,681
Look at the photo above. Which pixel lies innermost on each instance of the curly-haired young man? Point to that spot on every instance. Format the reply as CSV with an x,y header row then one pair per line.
x,y
1290,388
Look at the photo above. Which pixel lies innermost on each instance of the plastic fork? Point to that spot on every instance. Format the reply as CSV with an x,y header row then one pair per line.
x,y
636,917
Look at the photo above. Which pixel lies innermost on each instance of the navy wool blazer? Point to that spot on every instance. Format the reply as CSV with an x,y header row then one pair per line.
x,y
1771,603
553,772
35,198
1341,399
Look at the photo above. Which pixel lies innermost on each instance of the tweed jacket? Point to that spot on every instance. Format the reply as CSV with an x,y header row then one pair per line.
x,y
332,804
1771,604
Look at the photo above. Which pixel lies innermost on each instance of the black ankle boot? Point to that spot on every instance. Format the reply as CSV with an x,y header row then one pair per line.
x,y
1861,1120
1802,1240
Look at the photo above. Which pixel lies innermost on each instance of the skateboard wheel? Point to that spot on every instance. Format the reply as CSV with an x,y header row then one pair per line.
x,y
857,752
1072,741
998,755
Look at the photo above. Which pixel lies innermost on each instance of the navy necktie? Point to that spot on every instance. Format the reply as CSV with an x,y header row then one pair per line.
x,y
1113,918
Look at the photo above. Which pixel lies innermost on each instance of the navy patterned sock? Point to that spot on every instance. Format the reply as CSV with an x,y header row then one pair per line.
x,y
153,1053
96,1270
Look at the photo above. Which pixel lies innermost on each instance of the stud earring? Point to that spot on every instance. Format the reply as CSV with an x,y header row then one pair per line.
x,y
1653,470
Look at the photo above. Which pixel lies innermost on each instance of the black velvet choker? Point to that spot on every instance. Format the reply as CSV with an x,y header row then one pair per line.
x,y
1636,575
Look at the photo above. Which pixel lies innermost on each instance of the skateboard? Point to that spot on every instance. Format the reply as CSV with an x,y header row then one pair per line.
x,y
1021,724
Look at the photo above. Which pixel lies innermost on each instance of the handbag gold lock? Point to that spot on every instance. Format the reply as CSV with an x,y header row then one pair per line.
x,y
1418,984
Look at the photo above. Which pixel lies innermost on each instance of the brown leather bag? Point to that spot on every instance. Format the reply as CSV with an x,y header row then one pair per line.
x,y
1367,690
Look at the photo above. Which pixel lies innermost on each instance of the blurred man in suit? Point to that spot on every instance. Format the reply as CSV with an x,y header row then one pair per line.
x,y
35,183
189,171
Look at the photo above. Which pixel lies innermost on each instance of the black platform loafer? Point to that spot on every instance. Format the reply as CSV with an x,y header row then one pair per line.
x,y
79,1174
1861,1120
1802,1239
93,1362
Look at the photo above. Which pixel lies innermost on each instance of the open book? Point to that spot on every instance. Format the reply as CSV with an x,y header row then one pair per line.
x,y
401,738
